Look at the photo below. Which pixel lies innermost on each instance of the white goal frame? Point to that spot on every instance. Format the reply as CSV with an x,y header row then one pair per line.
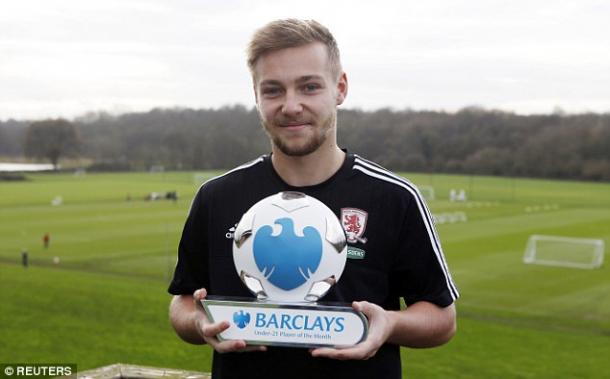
x,y
597,257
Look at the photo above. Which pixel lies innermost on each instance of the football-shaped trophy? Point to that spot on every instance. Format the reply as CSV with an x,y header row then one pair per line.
x,y
289,249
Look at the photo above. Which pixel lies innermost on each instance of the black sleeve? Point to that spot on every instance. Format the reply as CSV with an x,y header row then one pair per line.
x,y
420,272
191,271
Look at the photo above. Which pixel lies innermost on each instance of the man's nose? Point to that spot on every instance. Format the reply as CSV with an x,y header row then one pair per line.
x,y
292,104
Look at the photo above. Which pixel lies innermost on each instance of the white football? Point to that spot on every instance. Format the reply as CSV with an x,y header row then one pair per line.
x,y
289,247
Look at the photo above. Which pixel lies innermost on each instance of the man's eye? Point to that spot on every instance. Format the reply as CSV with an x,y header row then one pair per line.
x,y
310,87
271,91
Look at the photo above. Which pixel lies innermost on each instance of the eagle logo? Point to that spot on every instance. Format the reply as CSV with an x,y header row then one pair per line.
x,y
286,259
241,319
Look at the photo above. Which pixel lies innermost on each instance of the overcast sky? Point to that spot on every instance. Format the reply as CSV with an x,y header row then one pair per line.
x,y
67,57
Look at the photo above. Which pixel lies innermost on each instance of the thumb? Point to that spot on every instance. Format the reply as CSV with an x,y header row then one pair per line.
x,y
370,310
200,294
361,306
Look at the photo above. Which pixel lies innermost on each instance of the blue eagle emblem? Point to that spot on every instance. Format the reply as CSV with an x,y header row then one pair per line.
x,y
287,260
241,319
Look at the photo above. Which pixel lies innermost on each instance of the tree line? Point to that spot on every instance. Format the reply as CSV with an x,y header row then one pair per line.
x,y
470,141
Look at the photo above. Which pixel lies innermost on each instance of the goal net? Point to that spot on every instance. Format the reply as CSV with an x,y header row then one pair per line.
x,y
564,251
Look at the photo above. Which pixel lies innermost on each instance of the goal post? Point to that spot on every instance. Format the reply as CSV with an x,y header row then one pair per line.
x,y
560,251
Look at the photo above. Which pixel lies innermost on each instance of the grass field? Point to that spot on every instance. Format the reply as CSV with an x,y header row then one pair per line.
x,y
106,301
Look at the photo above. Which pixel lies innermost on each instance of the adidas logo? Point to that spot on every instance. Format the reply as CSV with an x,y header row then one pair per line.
x,y
231,232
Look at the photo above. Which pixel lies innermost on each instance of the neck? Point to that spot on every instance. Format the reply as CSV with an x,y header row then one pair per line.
x,y
310,169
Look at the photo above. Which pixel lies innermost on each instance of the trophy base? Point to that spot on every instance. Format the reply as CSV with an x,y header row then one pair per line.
x,y
287,324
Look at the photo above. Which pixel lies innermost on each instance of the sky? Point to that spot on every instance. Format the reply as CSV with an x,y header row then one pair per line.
x,y
64,58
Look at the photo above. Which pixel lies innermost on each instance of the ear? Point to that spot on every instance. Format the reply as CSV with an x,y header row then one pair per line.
x,y
255,92
341,88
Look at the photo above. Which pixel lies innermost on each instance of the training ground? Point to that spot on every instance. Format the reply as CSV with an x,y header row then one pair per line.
x,y
105,300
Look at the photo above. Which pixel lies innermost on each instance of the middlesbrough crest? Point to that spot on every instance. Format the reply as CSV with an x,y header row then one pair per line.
x,y
354,224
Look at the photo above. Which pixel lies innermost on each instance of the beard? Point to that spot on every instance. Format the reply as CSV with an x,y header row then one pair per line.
x,y
311,144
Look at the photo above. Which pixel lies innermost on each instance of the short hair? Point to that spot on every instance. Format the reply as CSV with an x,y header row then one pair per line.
x,y
283,34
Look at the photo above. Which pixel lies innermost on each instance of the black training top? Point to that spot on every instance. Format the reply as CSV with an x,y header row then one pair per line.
x,y
395,252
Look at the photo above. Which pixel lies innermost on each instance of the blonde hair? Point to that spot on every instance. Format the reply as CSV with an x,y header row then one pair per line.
x,y
282,34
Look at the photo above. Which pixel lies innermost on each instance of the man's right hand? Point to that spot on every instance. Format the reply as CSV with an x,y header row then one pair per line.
x,y
192,325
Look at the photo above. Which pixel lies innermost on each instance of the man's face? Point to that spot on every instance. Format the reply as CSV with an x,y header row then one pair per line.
x,y
297,98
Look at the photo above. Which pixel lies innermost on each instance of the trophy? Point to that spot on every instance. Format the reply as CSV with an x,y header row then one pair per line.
x,y
289,249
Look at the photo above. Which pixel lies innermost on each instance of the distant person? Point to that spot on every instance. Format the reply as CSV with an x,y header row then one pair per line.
x,y
24,258
298,83
46,240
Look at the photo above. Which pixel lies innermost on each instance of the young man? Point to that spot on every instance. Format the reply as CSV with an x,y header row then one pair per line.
x,y
298,84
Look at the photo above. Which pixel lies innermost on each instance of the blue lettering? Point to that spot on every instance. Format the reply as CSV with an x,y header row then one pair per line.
x,y
260,320
307,326
294,322
340,327
272,320
318,324
300,322
329,322
285,322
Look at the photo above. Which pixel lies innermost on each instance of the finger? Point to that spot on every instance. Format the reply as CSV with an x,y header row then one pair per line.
x,y
249,348
229,346
211,330
324,352
200,294
357,353
237,346
363,306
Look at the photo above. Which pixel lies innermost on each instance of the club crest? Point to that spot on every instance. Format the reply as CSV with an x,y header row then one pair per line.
x,y
354,224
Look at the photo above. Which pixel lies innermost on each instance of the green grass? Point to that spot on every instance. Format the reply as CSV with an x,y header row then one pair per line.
x,y
105,302
92,319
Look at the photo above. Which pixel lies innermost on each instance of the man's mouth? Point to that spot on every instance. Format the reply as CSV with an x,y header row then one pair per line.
x,y
294,125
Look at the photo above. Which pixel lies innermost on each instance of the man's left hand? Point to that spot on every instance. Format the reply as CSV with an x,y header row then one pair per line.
x,y
380,328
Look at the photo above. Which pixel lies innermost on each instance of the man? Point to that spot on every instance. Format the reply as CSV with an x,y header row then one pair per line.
x,y
298,84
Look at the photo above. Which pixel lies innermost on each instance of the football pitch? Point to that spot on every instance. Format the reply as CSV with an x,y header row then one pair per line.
x,y
97,295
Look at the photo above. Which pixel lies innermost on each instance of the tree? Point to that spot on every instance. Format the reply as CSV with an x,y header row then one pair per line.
x,y
52,139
